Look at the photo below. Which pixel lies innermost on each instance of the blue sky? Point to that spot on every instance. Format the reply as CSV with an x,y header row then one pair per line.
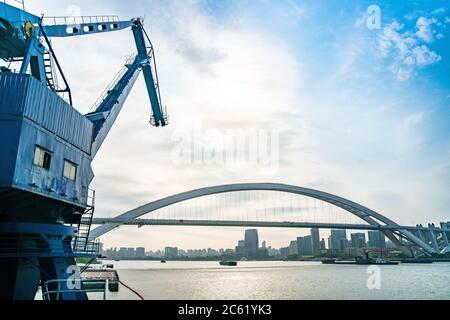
x,y
364,114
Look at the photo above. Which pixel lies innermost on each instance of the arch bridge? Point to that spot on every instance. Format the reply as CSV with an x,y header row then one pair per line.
x,y
295,207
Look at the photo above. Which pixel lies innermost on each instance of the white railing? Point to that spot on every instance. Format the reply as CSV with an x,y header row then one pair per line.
x,y
16,3
56,294
130,60
71,20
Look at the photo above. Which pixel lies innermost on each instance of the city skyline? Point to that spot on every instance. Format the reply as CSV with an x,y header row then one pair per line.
x,y
304,246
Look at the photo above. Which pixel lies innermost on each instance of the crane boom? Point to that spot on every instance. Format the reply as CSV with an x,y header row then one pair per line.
x,y
87,25
159,118
110,105
108,110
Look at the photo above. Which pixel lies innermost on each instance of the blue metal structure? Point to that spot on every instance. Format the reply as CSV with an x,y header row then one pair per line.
x,y
47,147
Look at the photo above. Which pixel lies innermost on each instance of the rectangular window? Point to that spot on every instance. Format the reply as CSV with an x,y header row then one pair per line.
x,y
70,170
42,158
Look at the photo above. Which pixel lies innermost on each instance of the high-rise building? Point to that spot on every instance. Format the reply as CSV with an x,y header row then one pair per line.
x,y
122,253
264,244
293,248
140,252
323,245
304,246
251,243
315,241
377,239
338,240
240,248
131,253
171,252
358,240
284,252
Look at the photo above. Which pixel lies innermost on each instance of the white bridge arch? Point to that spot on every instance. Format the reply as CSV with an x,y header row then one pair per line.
x,y
391,230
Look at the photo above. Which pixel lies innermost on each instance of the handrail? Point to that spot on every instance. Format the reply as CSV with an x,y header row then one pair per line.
x,y
91,198
74,20
130,60
46,292
15,3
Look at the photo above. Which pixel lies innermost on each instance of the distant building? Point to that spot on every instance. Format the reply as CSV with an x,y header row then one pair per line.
x,y
377,239
122,253
293,248
131,253
140,252
315,241
358,240
228,252
338,240
264,245
323,245
304,246
240,248
273,252
251,243
355,251
171,252
263,253
390,244
100,249
284,252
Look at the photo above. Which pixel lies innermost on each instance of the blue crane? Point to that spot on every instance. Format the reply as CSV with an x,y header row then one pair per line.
x,y
46,206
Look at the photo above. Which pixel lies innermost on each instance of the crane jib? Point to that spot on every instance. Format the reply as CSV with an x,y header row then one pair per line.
x,y
151,78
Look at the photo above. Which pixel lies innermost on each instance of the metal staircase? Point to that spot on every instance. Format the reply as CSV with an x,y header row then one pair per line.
x,y
84,227
81,243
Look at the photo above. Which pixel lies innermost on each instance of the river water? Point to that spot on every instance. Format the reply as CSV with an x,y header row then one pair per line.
x,y
280,281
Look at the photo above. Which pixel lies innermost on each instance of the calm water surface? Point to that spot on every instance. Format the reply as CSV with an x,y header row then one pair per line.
x,y
278,280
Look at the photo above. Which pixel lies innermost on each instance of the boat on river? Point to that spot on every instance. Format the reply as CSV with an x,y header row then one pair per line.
x,y
228,263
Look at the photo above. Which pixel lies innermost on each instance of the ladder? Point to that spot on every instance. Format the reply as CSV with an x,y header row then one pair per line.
x,y
49,70
81,243
84,228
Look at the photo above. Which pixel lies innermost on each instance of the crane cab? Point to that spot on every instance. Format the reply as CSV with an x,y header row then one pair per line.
x,y
46,146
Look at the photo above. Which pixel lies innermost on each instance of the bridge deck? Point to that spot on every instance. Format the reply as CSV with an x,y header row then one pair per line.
x,y
255,224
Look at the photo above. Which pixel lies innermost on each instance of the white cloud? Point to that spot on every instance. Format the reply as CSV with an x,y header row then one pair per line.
x,y
409,137
423,56
424,29
408,48
411,122
439,10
